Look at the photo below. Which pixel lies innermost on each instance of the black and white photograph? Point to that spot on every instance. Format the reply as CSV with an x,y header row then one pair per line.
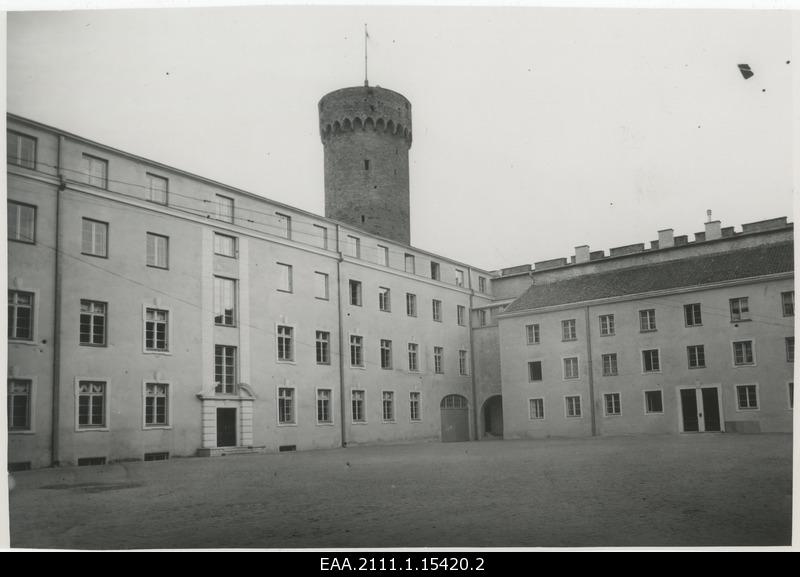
x,y
402,278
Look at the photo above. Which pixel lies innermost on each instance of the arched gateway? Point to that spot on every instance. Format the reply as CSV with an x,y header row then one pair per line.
x,y
455,418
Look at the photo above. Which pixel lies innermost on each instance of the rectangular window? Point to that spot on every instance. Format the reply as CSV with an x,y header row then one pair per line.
x,y
157,187
224,245
384,299
606,325
740,309
224,301
157,250
94,238
414,406
225,369
692,316
284,225
413,357
482,318
743,353
697,356
789,349
534,371
482,284
320,236
787,303
436,271
286,406
410,264
224,208
463,367
609,365
355,293
93,323
285,280
568,330
791,395
356,351
323,342
20,315
357,403
321,287
21,222
438,360
386,354
459,277
411,304
91,404
96,170
156,330
532,334
437,310
353,246
612,404
747,397
324,415
650,361
383,255
460,315
536,409
156,399
19,404
647,320
285,343
571,368
653,402
573,406
21,150
388,406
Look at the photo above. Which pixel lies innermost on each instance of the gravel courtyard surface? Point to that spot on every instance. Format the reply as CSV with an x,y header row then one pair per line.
x,y
701,490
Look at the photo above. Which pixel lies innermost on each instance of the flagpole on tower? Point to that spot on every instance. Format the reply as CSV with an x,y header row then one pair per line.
x,y
366,37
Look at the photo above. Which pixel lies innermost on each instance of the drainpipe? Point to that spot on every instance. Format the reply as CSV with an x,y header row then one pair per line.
x,y
590,371
472,358
55,401
342,398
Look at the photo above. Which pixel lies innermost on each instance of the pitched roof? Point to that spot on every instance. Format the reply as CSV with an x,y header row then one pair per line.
x,y
682,273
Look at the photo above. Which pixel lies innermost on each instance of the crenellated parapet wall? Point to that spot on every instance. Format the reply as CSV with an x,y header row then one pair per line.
x,y
365,108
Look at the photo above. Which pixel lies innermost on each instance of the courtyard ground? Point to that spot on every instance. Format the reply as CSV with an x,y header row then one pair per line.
x,y
688,490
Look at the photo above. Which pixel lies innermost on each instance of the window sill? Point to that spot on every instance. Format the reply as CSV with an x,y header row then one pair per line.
x,y
224,325
287,424
610,374
360,368
29,343
648,330
25,432
359,423
693,326
744,366
747,409
230,256
285,362
157,428
157,267
569,340
651,372
389,422
154,352
92,429
20,241
741,320
105,256
698,367
322,298
93,346
284,291
655,414
608,334
331,424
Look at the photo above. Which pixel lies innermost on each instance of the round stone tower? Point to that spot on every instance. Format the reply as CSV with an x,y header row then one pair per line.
x,y
366,134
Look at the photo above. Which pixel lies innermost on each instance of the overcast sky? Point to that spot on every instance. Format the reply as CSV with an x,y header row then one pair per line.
x,y
535,130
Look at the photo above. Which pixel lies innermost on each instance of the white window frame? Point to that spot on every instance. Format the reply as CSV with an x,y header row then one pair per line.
x,y
531,417
285,271
752,350
739,316
689,357
168,310
234,245
383,255
228,202
353,244
686,309
437,310
647,321
463,362
93,248
106,426
615,369
384,299
386,345
325,278
357,284
482,317
152,178
739,408
32,384
533,330
235,384
361,347
644,400
168,425
106,324
564,360
789,348
784,302
156,238
566,406
438,360
392,398
322,235
607,325
461,312
410,262
293,398
89,162
482,284
34,318
285,224
14,157
292,344
436,270
331,421
459,277
530,373
317,341
363,400
235,320
660,364
569,330
411,401
20,206
619,404
413,349
411,305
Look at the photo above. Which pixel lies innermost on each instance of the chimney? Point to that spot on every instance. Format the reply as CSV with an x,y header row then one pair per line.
x,y
582,253
713,230
665,238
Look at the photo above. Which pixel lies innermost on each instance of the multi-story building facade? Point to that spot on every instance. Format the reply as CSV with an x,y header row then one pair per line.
x,y
156,313
685,337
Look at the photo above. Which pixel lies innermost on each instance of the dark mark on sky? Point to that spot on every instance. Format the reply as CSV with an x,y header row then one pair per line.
x,y
745,70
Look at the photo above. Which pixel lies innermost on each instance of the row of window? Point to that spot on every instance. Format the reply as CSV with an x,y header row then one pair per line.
x,y
91,410
385,300
746,400
739,311
743,355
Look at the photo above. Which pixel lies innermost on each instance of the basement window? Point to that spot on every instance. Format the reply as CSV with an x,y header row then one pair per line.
x,y
91,461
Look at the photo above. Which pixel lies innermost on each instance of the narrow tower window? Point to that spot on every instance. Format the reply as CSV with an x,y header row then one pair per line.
x,y
366,164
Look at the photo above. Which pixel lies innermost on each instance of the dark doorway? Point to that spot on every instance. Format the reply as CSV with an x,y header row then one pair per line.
x,y
710,409
226,427
691,421
700,410
455,419
493,417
